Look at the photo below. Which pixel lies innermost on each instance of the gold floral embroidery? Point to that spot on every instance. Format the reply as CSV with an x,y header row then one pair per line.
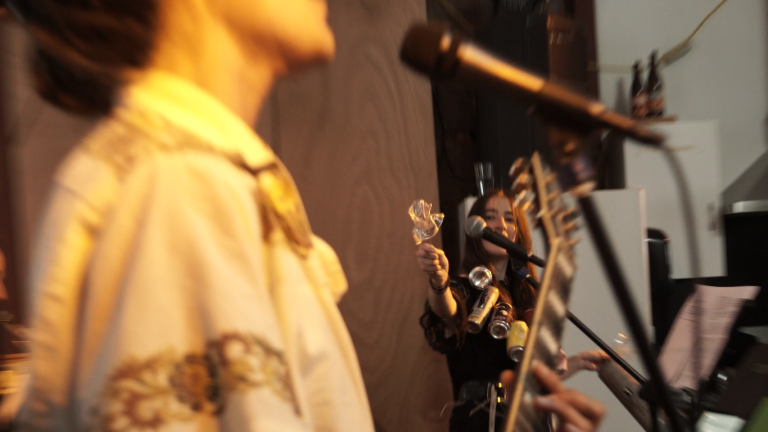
x,y
131,136
145,395
278,196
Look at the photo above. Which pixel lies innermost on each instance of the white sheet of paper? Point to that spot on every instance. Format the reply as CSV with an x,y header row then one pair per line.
x,y
716,309
714,422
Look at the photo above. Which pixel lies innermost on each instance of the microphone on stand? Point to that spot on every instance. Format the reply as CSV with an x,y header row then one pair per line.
x,y
475,227
524,275
435,51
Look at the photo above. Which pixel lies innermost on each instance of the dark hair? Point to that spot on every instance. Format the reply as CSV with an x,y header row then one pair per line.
x,y
82,49
521,294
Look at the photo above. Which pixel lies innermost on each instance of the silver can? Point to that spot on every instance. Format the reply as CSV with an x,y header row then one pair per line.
x,y
480,277
502,316
482,309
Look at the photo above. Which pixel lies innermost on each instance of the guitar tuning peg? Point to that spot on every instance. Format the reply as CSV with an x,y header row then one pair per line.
x,y
520,166
531,209
522,183
570,214
521,199
553,196
526,200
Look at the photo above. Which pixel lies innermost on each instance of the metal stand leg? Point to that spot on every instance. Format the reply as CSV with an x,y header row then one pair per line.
x,y
611,353
621,291
586,330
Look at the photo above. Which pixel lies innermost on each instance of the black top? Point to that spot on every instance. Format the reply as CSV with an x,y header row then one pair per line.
x,y
470,356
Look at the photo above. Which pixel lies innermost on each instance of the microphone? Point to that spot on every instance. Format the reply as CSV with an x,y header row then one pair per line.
x,y
433,50
475,227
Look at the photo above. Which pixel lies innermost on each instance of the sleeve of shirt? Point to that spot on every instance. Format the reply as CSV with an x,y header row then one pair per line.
x,y
59,263
435,328
177,327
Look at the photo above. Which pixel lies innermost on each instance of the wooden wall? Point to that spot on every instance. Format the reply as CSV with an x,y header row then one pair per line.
x,y
6,200
358,138
38,138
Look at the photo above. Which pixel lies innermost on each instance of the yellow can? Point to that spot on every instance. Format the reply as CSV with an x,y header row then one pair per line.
x,y
518,333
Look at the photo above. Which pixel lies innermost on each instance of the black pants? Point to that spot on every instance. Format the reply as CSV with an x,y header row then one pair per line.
x,y
462,421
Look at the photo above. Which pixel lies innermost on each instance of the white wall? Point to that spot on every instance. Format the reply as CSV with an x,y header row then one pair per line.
x,y
592,299
724,77
696,145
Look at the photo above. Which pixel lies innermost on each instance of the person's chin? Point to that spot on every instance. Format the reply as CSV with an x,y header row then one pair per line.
x,y
496,252
328,47
320,54
328,51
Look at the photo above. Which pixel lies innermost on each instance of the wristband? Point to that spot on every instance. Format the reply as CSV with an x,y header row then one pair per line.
x,y
441,289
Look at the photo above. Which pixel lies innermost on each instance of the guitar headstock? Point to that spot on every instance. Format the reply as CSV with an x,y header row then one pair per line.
x,y
539,194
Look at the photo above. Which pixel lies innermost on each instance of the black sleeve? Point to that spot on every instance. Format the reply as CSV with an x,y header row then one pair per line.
x,y
434,326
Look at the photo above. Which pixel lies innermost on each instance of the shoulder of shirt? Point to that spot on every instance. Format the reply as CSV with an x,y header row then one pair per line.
x,y
130,137
95,169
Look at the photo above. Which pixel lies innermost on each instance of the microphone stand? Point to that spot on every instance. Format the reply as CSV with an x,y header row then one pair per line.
x,y
523,274
574,172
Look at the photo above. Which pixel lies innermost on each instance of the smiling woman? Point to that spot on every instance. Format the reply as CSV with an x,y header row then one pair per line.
x,y
458,309
177,284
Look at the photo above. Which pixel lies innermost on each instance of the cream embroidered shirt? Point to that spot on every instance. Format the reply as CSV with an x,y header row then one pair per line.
x,y
176,285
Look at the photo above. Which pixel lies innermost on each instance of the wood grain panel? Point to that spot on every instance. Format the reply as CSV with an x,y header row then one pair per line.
x,y
358,138
40,136
6,198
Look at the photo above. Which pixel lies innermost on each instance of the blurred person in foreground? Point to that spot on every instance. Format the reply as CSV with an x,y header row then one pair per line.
x,y
176,284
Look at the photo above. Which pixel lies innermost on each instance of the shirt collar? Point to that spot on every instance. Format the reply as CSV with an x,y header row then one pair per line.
x,y
193,109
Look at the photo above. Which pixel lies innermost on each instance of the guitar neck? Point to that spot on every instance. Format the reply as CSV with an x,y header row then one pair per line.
x,y
548,322
543,343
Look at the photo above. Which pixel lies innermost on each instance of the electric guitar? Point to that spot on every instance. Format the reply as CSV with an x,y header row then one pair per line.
x,y
539,194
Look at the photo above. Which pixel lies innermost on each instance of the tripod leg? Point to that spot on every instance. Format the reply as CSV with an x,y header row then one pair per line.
x,y
627,304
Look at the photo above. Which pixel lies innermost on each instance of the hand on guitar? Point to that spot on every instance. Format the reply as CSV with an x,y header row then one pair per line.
x,y
585,360
576,412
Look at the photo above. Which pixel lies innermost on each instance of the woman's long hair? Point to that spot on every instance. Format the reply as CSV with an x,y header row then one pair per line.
x,y
521,294
82,49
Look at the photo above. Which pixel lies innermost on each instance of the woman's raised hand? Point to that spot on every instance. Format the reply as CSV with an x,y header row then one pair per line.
x,y
433,261
585,360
